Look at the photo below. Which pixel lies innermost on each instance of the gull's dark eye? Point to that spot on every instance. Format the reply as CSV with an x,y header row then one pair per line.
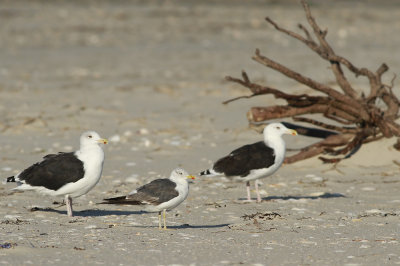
x,y
90,136
278,127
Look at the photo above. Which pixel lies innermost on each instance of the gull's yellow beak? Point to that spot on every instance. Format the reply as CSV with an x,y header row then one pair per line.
x,y
292,132
191,177
103,141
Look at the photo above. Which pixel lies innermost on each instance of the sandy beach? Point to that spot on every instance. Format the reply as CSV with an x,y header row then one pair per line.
x,y
149,76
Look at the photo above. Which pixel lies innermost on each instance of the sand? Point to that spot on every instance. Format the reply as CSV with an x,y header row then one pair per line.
x,y
149,75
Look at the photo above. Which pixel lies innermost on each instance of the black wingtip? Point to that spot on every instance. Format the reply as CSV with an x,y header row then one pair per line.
x,y
11,179
116,200
205,172
121,201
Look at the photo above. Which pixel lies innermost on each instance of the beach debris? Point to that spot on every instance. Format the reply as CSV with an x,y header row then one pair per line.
x,y
377,213
16,221
253,226
7,245
261,216
215,204
355,117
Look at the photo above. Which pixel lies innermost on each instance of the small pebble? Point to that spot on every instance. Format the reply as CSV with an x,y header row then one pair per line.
x,y
92,226
133,179
128,133
373,211
368,188
143,131
115,138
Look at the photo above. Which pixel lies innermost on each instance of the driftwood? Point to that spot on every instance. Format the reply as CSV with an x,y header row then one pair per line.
x,y
361,119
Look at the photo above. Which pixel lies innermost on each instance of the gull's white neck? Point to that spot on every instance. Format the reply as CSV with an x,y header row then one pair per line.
x,y
277,143
181,182
91,153
88,147
182,186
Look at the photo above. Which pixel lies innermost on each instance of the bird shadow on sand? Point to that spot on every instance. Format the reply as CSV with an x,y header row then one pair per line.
x,y
89,213
322,196
185,226
98,213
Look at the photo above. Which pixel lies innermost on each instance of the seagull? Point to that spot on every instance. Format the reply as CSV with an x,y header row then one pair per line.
x,y
254,161
159,195
68,174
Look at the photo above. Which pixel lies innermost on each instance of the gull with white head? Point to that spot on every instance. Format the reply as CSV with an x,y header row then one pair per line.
x,y
159,195
68,174
254,161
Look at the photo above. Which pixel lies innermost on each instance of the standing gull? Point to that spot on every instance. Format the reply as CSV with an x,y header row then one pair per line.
x,y
254,161
159,195
70,174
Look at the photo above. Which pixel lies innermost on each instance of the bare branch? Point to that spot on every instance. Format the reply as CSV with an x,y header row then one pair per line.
x,y
308,35
381,70
258,114
238,98
319,147
324,125
352,103
256,89
307,41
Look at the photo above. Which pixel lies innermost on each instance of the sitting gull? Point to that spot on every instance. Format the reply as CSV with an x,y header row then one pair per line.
x,y
254,161
159,195
69,174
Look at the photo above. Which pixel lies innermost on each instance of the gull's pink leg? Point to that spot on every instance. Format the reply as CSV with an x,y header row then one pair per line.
x,y
248,190
258,192
68,201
